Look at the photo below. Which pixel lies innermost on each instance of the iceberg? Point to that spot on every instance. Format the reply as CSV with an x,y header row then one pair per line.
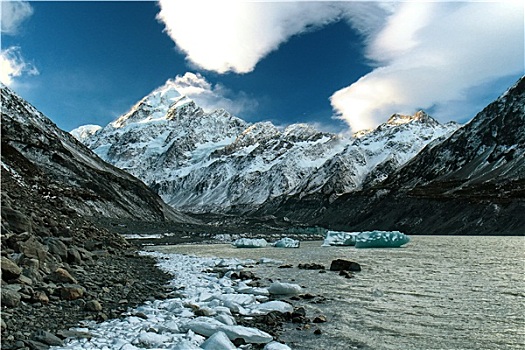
x,y
287,242
381,239
339,238
250,243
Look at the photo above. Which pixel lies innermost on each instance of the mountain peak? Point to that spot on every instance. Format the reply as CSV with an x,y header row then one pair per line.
x,y
154,106
419,116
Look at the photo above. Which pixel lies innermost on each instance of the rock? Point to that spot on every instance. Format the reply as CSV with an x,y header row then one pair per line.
x,y
61,275
247,275
47,338
346,274
287,266
299,311
71,292
65,333
17,221
319,319
36,345
307,296
311,266
73,256
39,297
341,264
93,305
23,280
56,247
10,298
32,248
318,331
10,270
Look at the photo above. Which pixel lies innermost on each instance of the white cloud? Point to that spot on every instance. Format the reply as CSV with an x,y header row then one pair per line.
x,y
13,65
430,55
211,97
13,14
426,54
225,36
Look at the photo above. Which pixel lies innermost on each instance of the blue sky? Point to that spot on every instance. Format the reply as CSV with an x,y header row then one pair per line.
x,y
337,65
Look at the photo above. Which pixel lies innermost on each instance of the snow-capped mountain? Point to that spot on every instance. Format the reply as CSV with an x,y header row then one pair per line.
x,y
473,182
212,161
46,161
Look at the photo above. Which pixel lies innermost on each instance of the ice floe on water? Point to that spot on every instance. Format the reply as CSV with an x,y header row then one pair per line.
x,y
198,316
287,242
381,239
339,238
366,239
250,243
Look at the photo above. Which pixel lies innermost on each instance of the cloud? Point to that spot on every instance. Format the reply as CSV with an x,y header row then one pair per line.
x,y
232,36
13,65
431,55
211,97
13,14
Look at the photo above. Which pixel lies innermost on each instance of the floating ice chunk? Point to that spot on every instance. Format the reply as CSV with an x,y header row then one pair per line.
x,y
276,305
276,346
339,238
381,239
250,243
218,341
284,288
269,261
287,242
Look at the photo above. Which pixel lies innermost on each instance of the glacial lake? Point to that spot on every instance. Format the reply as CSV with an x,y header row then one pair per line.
x,y
437,292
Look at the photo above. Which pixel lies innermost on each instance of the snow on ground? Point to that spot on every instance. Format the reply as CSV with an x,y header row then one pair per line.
x,y
174,324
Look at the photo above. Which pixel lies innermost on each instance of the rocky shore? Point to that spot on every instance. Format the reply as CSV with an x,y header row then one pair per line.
x,y
59,268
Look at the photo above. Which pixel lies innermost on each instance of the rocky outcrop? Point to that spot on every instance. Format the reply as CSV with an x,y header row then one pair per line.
x,y
40,156
57,266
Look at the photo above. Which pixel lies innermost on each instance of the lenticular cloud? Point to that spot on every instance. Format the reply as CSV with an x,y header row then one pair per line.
x,y
233,36
432,55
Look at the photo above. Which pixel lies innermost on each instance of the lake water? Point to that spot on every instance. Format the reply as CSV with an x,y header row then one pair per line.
x,y
437,292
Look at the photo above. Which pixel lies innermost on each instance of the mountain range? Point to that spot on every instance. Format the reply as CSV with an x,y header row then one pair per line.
x,y
411,173
204,162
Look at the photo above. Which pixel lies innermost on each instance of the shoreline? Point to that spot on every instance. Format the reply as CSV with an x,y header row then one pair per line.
x,y
112,284
208,295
